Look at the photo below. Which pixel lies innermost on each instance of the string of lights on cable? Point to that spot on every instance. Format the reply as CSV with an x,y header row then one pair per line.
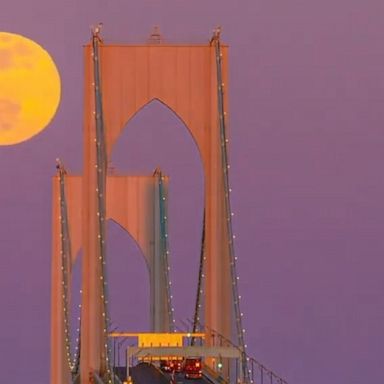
x,y
200,282
227,190
66,268
164,243
101,171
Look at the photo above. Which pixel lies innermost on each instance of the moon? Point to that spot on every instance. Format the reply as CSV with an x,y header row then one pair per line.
x,y
30,88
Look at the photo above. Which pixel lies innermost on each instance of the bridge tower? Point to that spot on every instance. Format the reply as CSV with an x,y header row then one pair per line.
x,y
119,81
137,204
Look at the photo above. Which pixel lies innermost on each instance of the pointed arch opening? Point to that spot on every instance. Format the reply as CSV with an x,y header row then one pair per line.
x,y
128,281
158,103
156,137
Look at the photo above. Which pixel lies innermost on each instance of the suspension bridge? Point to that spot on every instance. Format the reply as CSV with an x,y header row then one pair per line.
x,y
119,81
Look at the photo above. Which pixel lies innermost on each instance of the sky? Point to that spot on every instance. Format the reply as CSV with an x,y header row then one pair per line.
x,y
306,151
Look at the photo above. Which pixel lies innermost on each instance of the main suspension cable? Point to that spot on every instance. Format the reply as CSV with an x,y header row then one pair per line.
x,y
101,171
225,164
199,293
164,244
66,269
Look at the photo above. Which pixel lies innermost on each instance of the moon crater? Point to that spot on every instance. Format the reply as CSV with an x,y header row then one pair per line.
x,y
9,114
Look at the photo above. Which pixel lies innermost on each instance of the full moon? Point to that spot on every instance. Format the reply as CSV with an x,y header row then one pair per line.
x,y
29,88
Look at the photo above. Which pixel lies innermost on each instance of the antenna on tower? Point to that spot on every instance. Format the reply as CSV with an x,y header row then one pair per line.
x,y
155,37
96,29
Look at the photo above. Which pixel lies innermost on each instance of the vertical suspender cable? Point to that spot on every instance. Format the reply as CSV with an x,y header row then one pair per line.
x,y
231,249
101,170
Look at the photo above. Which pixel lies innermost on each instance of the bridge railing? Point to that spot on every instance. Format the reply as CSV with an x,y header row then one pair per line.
x,y
262,375
258,372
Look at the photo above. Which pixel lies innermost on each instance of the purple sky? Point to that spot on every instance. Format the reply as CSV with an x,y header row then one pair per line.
x,y
306,120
